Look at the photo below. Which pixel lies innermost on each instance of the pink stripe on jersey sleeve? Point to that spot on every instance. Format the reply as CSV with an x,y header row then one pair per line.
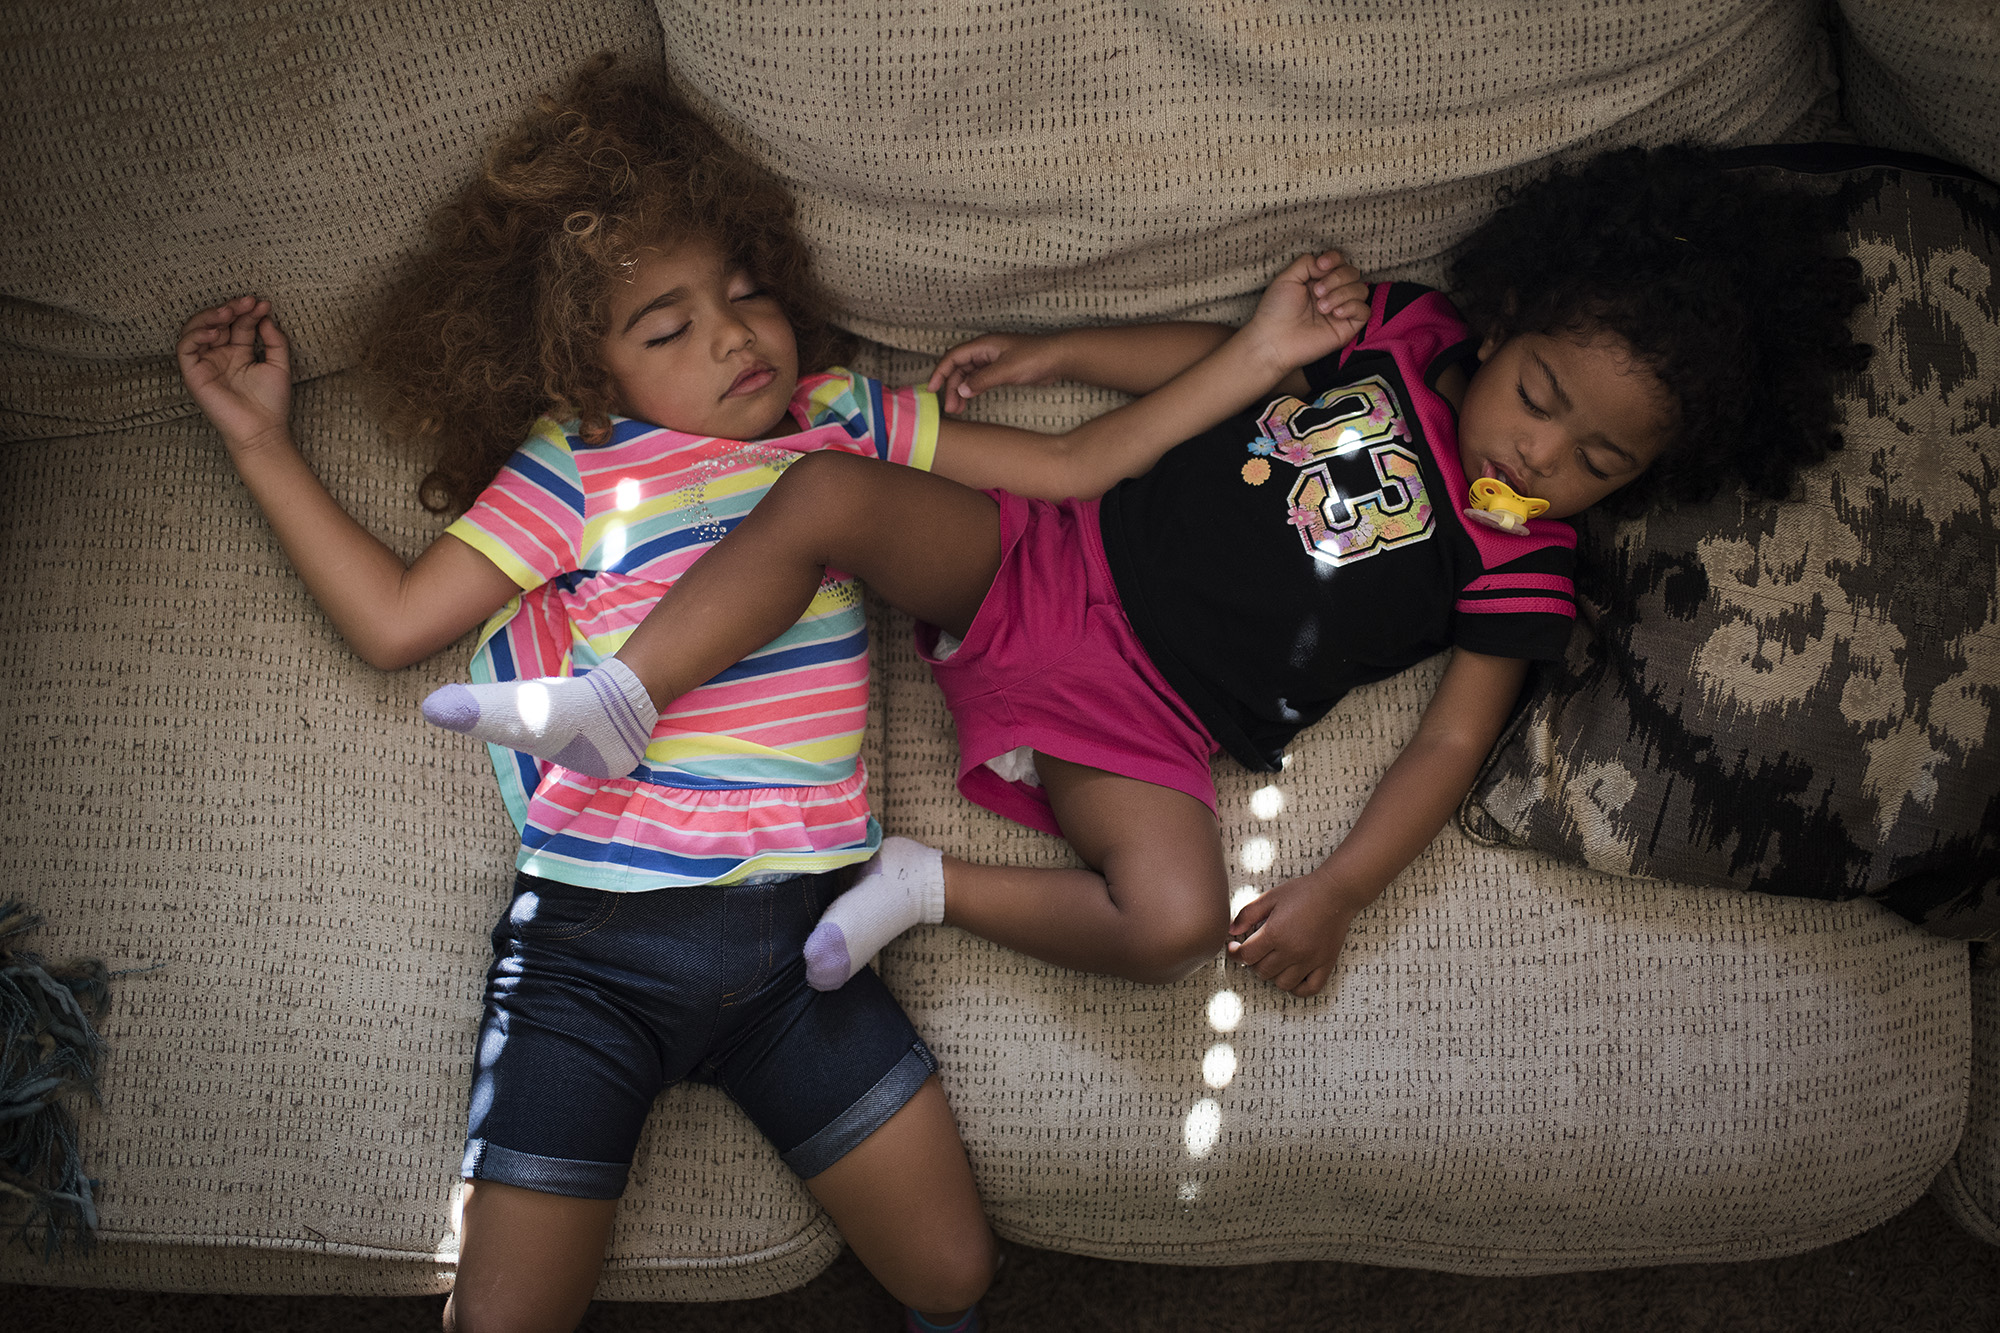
x,y
1516,605
1545,582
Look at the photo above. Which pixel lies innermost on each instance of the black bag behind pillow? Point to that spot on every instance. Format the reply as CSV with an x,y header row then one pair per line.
x,y
1804,698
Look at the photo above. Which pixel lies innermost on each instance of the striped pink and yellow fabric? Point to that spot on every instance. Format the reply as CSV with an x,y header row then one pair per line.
x,y
756,772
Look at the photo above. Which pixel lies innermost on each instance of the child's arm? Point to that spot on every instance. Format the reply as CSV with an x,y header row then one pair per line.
x,y
1131,358
391,615
1292,935
1315,307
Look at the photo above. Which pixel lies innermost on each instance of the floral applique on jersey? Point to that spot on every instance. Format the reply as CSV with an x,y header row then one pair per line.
x,y
1360,488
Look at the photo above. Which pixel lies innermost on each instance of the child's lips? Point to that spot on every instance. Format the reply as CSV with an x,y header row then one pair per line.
x,y
750,381
1493,469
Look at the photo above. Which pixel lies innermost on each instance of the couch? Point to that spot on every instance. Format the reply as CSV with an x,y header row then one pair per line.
x,y
1529,1063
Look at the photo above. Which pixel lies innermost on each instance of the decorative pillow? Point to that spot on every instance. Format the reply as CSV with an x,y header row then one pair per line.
x,y
1804,698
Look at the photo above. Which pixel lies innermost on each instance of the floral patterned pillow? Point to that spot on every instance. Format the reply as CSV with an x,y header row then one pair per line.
x,y
1804,698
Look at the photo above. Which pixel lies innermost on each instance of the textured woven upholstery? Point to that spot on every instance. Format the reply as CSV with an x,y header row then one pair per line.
x,y
1526,1066
1923,76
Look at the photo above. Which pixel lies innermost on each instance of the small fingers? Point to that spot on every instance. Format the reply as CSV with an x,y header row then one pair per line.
x,y
943,371
949,381
243,326
1341,293
1251,914
1251,950
945,384
205,326
958,391
955,362
277,352
1272,965
1292,979
977,380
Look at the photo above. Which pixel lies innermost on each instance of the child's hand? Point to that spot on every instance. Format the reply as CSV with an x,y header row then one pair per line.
x,y
1317,306
238,369
1292,935
991,360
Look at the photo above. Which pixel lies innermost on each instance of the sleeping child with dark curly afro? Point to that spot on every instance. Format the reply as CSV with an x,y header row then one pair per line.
x,y
1359,478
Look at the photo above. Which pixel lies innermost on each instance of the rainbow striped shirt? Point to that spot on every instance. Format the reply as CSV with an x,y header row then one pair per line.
x,y
758,771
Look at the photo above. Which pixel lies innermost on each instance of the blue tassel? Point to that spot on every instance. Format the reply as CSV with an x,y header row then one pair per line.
x,y
49,1054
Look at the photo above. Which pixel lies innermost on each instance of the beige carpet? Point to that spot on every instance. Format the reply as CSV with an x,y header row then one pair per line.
x,y
1917,1273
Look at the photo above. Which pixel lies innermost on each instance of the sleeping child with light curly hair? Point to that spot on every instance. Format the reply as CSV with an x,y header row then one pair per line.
x,y
613,349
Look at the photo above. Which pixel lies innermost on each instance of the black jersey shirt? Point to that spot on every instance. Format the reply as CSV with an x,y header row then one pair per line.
x,y
1305,547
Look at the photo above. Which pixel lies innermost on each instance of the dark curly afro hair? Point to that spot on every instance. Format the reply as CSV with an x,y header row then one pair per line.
x,y
1729,285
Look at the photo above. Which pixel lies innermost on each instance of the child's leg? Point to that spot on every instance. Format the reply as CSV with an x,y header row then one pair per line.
x,y
904,1200
527,1260
924,544
1155,908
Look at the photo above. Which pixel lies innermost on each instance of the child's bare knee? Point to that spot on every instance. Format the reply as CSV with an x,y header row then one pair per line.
x,y
466,1313
954,1277
1168,946
816,480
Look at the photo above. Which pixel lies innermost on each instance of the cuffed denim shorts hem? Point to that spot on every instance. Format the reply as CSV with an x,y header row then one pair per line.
x,y
597,1002
550,1175
867,1115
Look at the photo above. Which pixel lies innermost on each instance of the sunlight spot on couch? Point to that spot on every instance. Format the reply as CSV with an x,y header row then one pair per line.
x,y
1258,853
1203,1128
1242,898
1225,1010
1267,802
1219,1065
1190,1191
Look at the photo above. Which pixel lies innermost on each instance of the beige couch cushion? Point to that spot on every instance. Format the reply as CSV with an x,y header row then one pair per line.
x,y
1523,1067
163,155
1969,1187
1034,165
1924,75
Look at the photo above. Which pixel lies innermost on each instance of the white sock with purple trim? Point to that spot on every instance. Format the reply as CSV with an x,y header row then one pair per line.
x,y
902,887
597,723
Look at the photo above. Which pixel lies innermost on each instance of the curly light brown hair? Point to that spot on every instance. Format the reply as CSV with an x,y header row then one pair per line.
x,y
501,319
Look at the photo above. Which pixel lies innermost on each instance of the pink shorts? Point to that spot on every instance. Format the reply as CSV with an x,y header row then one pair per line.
x,y
1051,663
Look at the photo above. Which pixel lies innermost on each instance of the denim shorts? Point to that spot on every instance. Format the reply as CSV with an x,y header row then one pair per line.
x,y
597,1002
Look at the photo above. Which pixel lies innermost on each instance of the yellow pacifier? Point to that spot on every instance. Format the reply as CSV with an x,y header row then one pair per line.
x,y
1495,504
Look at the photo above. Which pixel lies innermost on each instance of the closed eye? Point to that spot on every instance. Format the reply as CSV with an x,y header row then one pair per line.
x,y
1529,403
1583,457
666,337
